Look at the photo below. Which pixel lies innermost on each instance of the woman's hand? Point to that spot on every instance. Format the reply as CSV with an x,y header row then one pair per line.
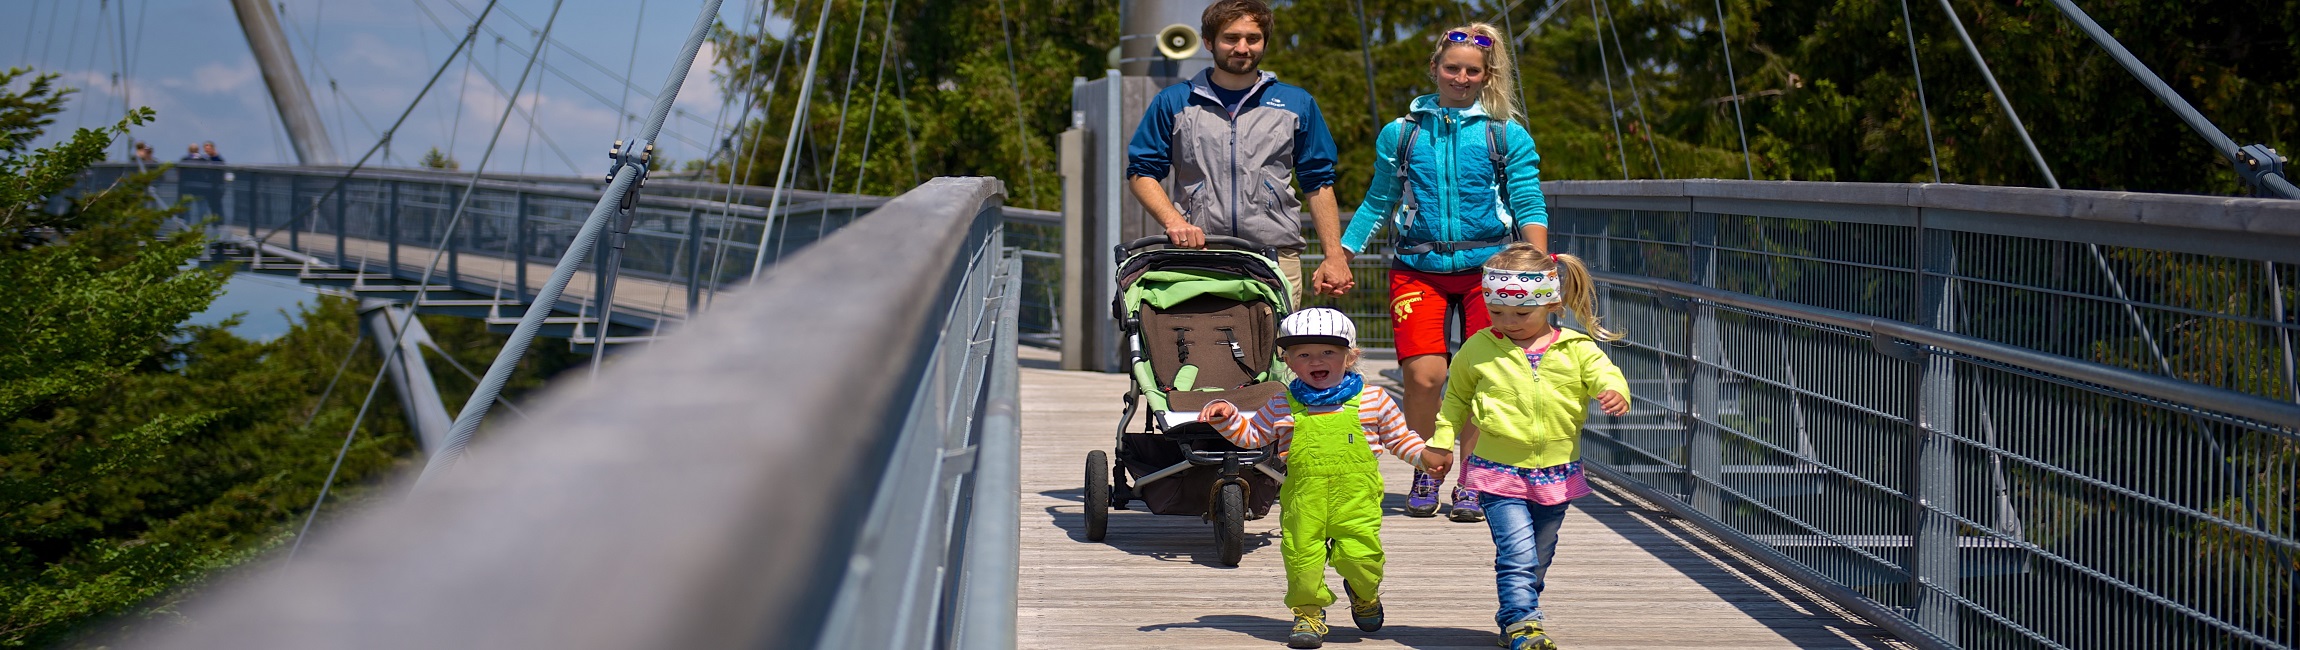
x,y
1612,402
1217,412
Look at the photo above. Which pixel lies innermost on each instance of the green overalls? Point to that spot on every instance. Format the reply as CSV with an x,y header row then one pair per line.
x,y
1333,491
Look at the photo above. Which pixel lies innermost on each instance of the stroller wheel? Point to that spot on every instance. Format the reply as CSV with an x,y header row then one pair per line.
x,y
1230,524
1097,495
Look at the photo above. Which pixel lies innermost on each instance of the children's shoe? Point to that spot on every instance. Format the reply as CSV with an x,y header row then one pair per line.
x,y
1309,628
1367,613
1527,635
1421,500
1465,507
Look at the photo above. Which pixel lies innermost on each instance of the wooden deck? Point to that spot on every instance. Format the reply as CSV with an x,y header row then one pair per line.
x,y
1626,576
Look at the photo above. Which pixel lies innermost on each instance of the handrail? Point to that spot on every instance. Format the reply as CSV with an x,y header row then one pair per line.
x,y
2282,414
678,499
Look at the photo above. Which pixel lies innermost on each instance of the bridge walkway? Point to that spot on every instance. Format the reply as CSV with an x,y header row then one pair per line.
x,y
1627,576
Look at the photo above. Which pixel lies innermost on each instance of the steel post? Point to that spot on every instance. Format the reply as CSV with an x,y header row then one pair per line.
x,y
523,240
1704,450
306,134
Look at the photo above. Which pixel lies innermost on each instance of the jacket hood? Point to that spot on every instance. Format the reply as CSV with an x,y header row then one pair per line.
x,y
1202,84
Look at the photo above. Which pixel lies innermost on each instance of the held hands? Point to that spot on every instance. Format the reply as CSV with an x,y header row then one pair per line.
x,y
1612,402
1184,235
1436,462
1333,277
1217,412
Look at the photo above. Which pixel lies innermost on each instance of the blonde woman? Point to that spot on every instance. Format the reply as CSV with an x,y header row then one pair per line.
x,y
1457,179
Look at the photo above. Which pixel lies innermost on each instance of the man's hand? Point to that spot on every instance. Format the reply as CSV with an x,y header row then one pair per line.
x,y
1333,277
1436,462
1217,412
1613,402
1184,235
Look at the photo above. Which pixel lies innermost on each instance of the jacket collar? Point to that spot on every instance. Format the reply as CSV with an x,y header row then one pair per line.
x,y
1202,85
1564,334
1427,105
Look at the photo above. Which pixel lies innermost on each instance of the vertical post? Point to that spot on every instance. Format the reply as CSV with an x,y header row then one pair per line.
x,y
454,245
340,199
519,255
694,260
294,229
391,229
1704,450
285,81
1072,314
1932,560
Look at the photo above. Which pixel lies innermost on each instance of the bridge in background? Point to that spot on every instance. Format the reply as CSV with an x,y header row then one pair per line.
x,y
1968,416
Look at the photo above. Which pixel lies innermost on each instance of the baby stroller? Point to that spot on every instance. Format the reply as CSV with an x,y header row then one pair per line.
x,y
1198,325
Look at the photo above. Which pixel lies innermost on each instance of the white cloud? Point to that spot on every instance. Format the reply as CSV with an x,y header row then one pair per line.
x,y
699,93
221,79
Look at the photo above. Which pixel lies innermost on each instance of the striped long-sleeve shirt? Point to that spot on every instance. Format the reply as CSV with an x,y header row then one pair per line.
x,y
1384,422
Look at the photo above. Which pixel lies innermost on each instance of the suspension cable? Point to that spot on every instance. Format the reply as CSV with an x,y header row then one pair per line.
x,y
626,178
1909,30
846,97
1733,85
1366,53
388,133
1021,131
909,129
484,75
1516,78
1636,99
790,143
622,108
423,286
1606,64
2002,101
738,172
870,127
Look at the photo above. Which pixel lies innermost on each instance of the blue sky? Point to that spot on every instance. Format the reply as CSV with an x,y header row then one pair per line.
x,y
188,60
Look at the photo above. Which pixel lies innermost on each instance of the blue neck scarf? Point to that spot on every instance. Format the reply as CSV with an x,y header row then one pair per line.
x,y
1352,384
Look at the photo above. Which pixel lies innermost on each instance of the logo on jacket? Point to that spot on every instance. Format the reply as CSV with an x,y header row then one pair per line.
x,y
1275,102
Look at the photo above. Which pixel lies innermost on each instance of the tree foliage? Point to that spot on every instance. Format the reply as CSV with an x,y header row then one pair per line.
x,y
1826,89
139,455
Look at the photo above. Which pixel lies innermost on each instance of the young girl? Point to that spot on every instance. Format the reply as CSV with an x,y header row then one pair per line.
x,y
1527,387
1329,424
1457,178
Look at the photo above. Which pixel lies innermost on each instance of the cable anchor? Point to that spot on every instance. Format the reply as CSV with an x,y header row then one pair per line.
x,y
643,159
2257,162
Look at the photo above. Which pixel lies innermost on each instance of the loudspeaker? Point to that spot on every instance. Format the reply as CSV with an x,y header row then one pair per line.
x,y
1178,41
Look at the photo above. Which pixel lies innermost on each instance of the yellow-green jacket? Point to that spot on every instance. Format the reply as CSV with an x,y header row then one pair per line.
x,y
1524,420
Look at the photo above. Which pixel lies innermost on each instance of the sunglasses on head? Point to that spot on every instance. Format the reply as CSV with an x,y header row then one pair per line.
x,y
1460,36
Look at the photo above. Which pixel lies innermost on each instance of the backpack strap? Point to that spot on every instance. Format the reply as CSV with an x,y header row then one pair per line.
x,y
1403,211
1494,153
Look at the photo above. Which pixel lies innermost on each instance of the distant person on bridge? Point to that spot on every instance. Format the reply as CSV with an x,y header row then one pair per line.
x,y
1236,140
1456,179
192,154
208,152
1527,387
144,153
1329,424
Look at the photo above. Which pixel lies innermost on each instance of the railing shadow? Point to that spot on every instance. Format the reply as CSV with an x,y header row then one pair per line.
x,y
1765,597
1274,630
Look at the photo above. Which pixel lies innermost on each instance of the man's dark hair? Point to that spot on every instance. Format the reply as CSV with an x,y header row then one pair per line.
x,y
1224,12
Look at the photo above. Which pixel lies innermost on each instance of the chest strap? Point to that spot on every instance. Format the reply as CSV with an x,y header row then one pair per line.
x,y
1408,206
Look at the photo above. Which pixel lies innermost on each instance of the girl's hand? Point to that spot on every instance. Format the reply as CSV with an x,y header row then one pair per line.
x,y
1613,403
1217,411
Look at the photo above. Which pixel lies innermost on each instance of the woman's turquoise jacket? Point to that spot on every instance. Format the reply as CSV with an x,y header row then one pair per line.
x,y
1454,184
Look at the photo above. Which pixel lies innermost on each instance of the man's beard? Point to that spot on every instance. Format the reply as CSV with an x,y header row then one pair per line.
x,y
1226,63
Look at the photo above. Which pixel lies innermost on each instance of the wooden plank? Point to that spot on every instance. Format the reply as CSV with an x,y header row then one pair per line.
x,y
1624,577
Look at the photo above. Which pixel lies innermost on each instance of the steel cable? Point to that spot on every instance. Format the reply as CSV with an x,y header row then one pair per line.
x,y
1733,85
1909,30
1611,108
1021,130
877,84
625,181
790,143
846,98
422,287
1636,99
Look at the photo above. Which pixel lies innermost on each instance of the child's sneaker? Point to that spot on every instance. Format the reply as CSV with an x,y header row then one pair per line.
x,y
1309,628
1465,507
1526,635
1367,613
1421,500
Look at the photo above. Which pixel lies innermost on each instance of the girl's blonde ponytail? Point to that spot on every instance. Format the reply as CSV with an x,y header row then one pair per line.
x,y
1581,296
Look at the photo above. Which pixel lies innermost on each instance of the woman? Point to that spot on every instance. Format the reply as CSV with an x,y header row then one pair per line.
x,y
1458,179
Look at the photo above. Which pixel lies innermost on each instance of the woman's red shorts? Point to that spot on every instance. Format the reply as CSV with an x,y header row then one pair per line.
x,y
1418,303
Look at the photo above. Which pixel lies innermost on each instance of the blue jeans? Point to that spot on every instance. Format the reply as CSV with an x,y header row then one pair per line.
x,y
1524,540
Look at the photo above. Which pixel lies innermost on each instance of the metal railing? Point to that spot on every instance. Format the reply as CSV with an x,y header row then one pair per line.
x,y
1982,417
786,471
695,237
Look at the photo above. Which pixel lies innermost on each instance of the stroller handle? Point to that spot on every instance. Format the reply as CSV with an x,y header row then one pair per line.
x,y
1224,241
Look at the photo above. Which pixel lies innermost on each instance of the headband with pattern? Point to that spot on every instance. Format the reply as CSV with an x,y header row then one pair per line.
x,y
1508,288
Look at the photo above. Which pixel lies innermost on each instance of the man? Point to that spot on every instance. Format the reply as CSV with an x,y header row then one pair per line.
x,y
208,152
192,154
1236,139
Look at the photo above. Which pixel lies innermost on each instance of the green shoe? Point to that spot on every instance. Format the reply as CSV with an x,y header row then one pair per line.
x,y
1367,613
1309,628
1527,635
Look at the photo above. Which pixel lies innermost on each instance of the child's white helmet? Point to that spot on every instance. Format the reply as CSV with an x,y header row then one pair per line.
x,y
1318,325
